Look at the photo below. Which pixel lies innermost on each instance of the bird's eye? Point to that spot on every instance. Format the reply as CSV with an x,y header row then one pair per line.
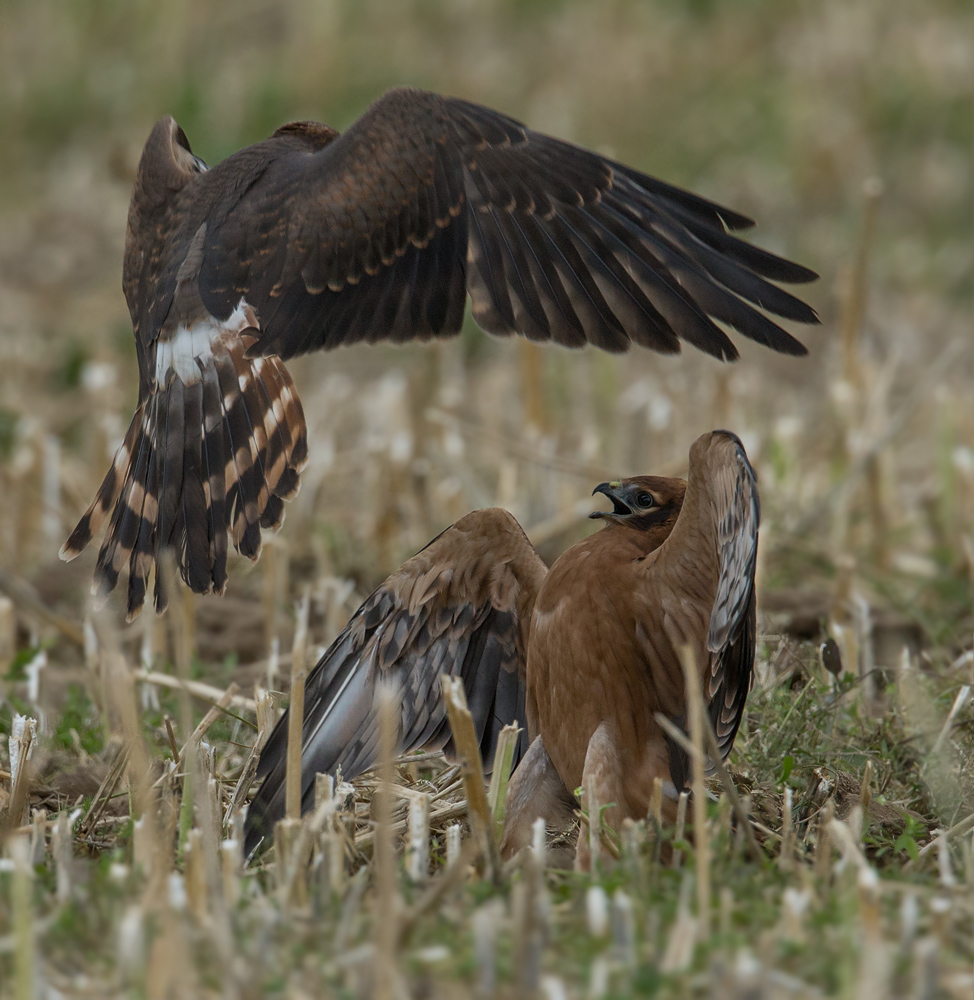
x,y
645,500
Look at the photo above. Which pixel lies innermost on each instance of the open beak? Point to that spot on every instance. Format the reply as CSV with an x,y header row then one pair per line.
x,y
619,506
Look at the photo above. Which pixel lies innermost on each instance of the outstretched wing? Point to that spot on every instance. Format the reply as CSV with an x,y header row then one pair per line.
x,y
380,233
461,607
310,240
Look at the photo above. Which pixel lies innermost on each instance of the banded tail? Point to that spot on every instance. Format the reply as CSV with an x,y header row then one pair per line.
x,y
216,446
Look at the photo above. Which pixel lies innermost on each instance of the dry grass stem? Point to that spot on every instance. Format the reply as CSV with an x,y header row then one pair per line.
x,y
205,692
386,896
701,832
296,715
418,858
681,819
23,735
8,633
468,754
500,777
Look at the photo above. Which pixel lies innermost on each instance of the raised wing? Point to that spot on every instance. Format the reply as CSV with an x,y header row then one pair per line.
x,y
704,573
732,632
462,606
310,240
380,233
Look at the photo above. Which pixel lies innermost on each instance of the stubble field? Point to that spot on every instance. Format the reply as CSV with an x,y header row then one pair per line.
x,y
845,130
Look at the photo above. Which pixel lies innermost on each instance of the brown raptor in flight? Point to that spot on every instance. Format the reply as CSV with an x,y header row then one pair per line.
x,y
582,656
311,239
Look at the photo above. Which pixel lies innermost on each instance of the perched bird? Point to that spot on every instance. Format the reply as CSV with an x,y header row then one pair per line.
x,y
580,656
311,239
461,606
672,568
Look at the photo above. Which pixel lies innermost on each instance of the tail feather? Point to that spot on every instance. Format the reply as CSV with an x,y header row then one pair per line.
x,y
202,457
195,554
276,394
215,486
123,525
93,518
141,558
248,489
172,446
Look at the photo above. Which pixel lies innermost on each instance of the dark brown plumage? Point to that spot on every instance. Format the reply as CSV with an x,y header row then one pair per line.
x,y
461,606
674,565
309,240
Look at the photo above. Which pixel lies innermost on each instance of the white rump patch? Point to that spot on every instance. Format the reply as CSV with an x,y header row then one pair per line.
x,y
180,350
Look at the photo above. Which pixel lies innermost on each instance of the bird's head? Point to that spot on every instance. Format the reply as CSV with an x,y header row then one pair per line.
x,y
642,502
168,162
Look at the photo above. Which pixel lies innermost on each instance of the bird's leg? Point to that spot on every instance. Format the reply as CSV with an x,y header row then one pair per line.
x,y
535,791
602,775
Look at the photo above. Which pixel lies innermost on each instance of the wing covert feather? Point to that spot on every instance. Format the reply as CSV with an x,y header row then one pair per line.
x,y
461,606
381,232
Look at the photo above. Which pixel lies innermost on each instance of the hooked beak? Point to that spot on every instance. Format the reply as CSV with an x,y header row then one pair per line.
x,y
619,507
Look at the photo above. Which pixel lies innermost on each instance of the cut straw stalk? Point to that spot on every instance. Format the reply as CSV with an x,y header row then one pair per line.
x,y
23,736
468,753
179,613
292,794
594,831
681,819
686,931
500,777
63,853
823,842
486,922
123,709
786,857
453,841
386,902
701,834
8,634
292,851
265,722
528,926
331,845
23,920
418,861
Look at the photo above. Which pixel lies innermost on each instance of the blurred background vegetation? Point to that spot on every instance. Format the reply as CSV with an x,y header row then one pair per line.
x,y
779,108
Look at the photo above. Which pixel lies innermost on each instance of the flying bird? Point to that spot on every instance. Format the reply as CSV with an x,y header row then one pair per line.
x,y
672,568
311,239
581,657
